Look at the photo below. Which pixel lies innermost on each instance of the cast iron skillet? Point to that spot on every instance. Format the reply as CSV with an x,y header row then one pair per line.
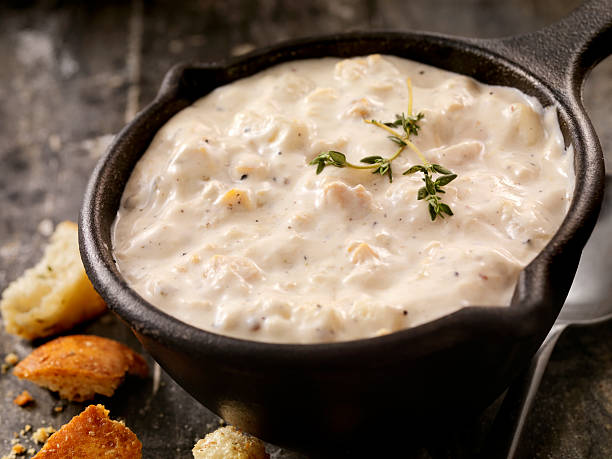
x,y
311,396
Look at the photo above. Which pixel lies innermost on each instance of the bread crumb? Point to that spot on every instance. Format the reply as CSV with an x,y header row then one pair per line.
x,y
18,449
92,435
80,366
45,227
41,434
11,359
23,399
229,443
58,408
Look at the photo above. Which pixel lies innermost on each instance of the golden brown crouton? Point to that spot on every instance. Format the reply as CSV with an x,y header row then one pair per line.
x,y
55,294
92,435
80,366
229,443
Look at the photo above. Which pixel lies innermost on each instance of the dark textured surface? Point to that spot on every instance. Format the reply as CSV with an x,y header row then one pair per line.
x,y
66,79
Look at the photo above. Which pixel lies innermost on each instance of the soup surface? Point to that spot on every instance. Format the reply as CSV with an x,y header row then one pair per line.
x,y
225,225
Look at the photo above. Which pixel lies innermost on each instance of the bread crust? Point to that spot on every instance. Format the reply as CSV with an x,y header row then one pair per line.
x,y
79,366
92,435
54,295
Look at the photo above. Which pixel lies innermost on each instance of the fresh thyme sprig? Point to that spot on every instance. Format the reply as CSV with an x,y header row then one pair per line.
x,y
409,124
377,163
432,187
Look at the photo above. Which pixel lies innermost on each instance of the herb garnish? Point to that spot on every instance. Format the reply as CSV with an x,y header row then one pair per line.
x,y
429,191
408,125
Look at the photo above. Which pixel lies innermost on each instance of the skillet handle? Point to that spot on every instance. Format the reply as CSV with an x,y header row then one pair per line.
x,y
564,53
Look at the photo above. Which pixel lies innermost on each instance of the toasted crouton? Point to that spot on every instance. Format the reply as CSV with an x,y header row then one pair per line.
x,y
229,443
54,295
92,435
80,366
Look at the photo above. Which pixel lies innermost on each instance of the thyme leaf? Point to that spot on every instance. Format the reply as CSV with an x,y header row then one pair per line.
x,y
383,165
372,159
327,158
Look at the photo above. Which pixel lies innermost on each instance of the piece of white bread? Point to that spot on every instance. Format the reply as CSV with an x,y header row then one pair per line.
x,y
54,295
92,435
229,443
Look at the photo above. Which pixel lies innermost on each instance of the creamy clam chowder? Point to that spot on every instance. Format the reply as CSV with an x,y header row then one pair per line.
x,y
225,225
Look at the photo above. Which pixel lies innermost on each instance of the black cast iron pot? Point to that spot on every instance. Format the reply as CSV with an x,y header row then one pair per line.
x,y
310,396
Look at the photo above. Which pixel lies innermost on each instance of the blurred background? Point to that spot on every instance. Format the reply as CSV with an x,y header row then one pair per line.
x,y
73,73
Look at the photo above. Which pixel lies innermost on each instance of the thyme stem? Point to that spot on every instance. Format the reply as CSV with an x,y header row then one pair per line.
x,y
382,126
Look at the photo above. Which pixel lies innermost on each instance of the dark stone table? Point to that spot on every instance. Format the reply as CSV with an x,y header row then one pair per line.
x,y
72,73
